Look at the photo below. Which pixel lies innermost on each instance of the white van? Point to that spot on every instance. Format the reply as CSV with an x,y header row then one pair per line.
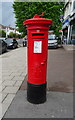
x,y
52,41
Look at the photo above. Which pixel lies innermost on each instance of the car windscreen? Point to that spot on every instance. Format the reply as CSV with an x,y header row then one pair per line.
x,y
51,37
9,41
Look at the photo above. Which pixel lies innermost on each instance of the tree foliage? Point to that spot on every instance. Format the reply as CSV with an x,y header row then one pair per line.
x,y
26,10
2,33
11,35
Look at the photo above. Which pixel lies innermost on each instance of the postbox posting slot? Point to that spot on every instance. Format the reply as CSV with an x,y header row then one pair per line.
x,y
38,34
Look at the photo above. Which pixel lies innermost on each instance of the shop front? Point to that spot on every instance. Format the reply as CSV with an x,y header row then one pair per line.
x,y
72,33
69,31
66,31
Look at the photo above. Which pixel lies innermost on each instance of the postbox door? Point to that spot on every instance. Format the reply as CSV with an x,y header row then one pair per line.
x,y
37,55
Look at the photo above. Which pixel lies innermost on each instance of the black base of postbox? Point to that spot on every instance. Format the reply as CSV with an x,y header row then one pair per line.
x,y
36,94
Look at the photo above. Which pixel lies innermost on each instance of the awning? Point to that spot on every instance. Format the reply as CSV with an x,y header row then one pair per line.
x,y
65,23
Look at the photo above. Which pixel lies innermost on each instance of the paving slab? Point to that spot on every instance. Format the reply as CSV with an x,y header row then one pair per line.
x,y
58,105
11,89
18,83
8,83
4,108
6,103
2,96
1,80
18,78
7,77
2,88
16,73
69,47
9,98
0,111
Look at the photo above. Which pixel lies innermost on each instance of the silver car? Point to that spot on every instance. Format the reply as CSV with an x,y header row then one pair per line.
x,y
52,41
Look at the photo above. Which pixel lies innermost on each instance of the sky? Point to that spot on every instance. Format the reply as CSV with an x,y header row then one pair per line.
x,y
8,17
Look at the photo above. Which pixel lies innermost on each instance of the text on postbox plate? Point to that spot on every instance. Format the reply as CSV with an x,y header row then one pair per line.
x,y
37,46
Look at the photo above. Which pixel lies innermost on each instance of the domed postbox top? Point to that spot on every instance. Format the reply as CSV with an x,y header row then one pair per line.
x,y
37,20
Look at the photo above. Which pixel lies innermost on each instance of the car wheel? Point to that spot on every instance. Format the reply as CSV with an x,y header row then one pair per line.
x,y
13,47
24,44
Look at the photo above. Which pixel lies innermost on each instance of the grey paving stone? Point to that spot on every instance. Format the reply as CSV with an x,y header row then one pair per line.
x,y
18,83
8,99
7,77
2,88
8,83
18,78
16,73
2,96
24,73
0,111
0,80
10,89
4,108
6,74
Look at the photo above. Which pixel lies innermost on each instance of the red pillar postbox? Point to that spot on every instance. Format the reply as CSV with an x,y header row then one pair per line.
x,y
37,58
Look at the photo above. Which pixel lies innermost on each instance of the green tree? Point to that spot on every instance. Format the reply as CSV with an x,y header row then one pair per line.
x,y
2,33
18,36
11,34
26,10
14,35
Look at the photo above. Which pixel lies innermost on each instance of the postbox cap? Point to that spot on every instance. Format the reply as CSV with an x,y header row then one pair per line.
x,y
37,19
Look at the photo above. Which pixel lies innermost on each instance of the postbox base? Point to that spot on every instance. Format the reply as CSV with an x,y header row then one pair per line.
x,y
36,94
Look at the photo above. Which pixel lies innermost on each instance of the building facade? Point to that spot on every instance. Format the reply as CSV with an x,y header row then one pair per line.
x,y
8,30
69,22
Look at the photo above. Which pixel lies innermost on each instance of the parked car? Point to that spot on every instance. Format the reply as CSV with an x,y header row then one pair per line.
x,y
11,43
52,41
24,42
3,46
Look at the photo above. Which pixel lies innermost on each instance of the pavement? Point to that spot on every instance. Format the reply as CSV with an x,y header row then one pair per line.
x,y
69,47
58,105
13,70
59,102
60,70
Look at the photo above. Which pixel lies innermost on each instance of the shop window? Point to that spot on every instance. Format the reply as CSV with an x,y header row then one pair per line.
x,y
65,32
74,5
73,35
